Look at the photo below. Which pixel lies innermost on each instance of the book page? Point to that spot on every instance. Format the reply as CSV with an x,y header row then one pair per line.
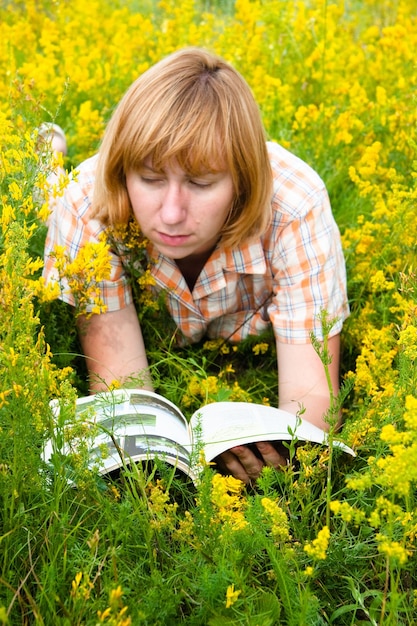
x,y
227,424
132,425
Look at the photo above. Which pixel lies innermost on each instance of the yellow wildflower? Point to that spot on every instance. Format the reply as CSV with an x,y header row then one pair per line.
x,y
378,282
347,512
410,415
260,348
392,550
81,275
318,547
232,596
81,586
408,341
226,496
278,517
163,513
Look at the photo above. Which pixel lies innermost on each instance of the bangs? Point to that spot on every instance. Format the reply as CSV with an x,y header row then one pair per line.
x,y
190,129
191,157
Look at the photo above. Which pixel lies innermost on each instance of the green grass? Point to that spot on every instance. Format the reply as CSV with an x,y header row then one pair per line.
x,y
336,85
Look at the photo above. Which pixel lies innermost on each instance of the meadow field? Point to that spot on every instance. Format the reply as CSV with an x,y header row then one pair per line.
x,y
331,539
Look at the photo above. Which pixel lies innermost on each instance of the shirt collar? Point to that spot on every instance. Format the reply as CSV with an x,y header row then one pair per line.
x,y
247,258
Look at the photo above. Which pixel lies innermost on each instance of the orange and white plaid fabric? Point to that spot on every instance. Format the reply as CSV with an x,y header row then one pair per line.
x,y
285,278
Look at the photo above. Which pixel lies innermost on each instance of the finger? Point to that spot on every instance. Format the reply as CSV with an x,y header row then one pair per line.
x,y
270,455
249,461
230,464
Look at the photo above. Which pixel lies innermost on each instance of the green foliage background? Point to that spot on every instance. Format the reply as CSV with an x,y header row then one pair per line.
x,y
336,85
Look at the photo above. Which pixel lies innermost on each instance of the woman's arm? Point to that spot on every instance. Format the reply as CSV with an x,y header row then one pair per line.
x,y
114,349
302,381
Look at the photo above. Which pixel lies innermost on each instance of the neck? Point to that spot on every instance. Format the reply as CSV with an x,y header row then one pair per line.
x,y
191,266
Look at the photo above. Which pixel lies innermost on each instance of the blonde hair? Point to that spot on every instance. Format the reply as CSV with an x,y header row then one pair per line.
x,y
192,107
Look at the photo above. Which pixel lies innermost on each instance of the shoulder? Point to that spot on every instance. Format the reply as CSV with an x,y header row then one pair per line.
x,y
286,166
296,185
78,194
83,176
73,214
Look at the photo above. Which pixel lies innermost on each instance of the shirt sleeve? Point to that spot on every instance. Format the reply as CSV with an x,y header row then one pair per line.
x,y
71,228
309,273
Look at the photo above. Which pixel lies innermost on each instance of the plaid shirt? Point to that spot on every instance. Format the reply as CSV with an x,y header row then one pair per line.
x,y
285,278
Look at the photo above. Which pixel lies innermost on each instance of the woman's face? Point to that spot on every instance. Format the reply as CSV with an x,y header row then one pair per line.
x,y
181,215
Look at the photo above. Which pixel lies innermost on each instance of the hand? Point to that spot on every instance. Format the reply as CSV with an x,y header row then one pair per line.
x,y
242,463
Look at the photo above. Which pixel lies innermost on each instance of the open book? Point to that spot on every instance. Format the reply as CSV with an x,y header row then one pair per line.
x,y
133,425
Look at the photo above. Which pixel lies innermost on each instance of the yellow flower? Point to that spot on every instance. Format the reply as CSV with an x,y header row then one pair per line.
x,y
163,513
260,348
228,369
318,547
15,191
393,550
213,344
408,341
278,517
390,434
226,496
347,512
8,215
309,571
194,387
210,385
81,586
82,275
146,279
115,595
378,282
410,415
232,596
76,582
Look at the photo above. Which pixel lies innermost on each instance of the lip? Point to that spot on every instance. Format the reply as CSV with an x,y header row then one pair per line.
x,y
173,240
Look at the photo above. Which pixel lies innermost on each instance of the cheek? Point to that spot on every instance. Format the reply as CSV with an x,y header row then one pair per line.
x,y
131,193
136,198
138,213
222,216
229,199
134,189
226,207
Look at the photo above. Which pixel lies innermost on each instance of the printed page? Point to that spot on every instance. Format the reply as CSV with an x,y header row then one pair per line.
x,y
227,424
134,425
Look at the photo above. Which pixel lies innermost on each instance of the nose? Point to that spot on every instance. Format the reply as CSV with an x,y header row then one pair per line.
x,y
173,209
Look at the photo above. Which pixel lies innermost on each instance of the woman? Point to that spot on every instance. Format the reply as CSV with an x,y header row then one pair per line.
x,y
241,232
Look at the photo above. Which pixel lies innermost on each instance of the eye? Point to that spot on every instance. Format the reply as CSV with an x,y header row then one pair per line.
x,y
150,180
201,184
